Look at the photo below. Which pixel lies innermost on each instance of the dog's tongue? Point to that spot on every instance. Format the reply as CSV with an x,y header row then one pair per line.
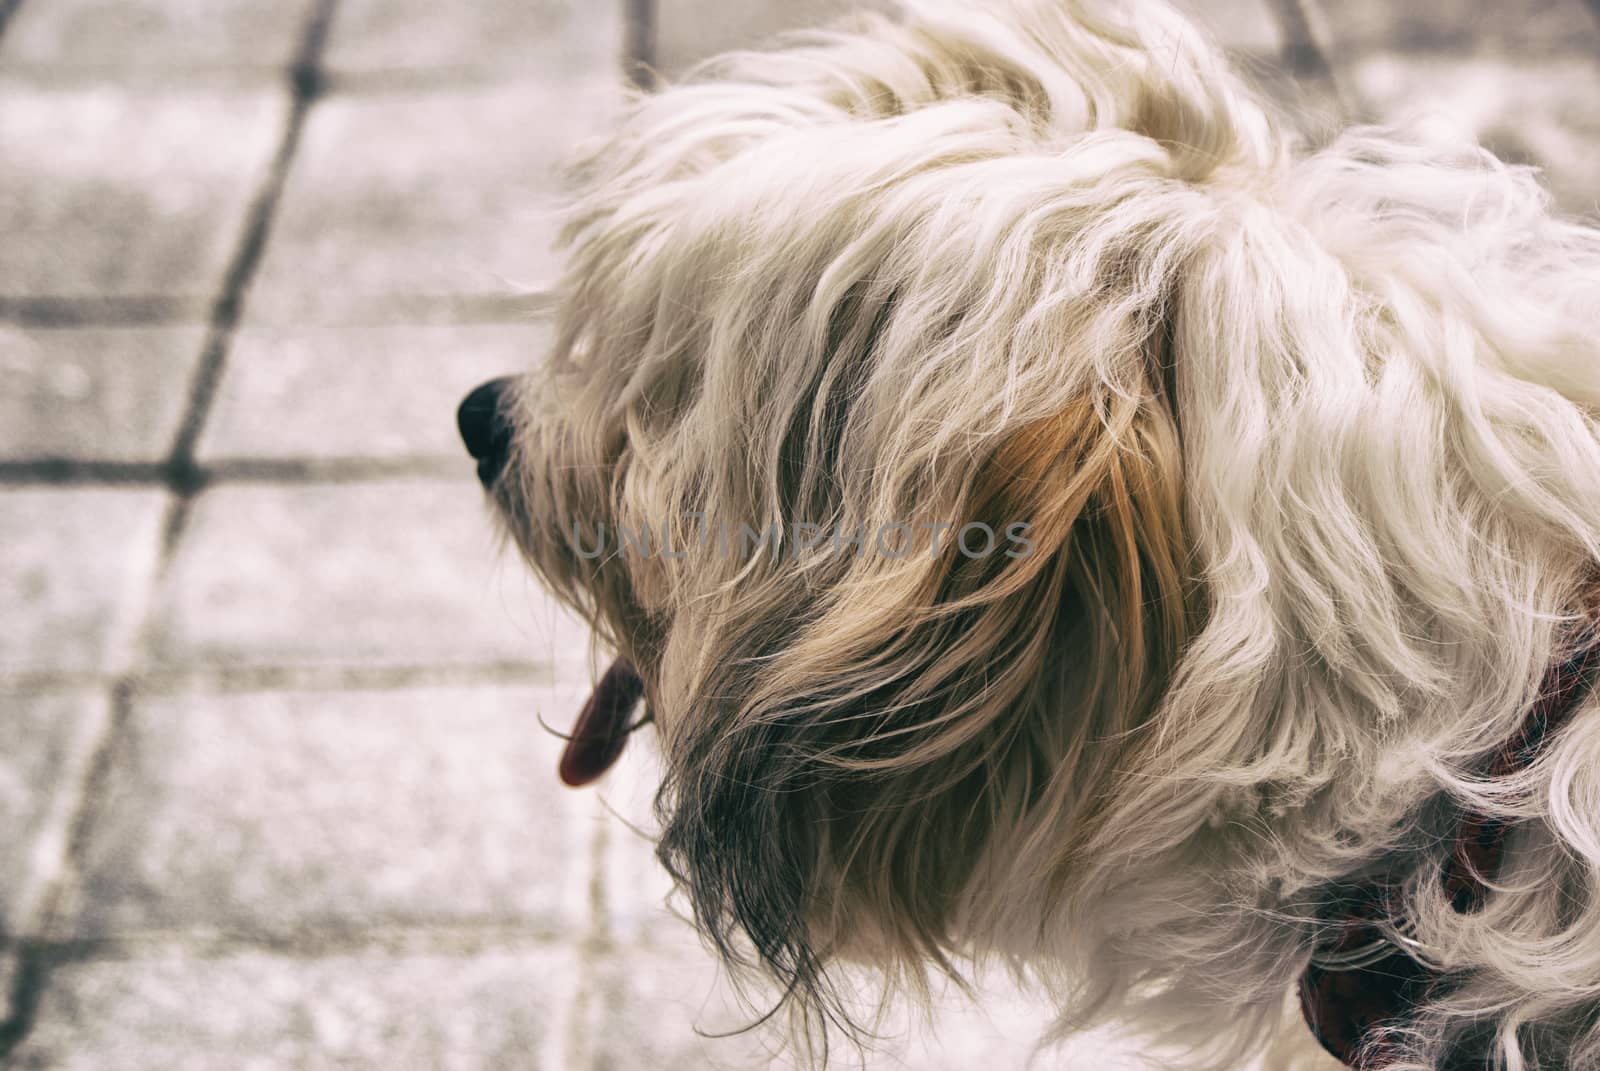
x,y
602,727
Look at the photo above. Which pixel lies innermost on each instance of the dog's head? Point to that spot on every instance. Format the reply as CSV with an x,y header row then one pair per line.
x,y
957,426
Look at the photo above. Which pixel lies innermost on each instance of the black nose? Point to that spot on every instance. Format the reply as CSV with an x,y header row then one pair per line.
x,y
485,429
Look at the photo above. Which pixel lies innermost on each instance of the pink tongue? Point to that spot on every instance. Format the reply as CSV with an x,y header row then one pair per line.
x,y
602,728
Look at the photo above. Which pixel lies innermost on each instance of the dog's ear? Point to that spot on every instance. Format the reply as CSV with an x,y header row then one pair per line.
x,y
868,740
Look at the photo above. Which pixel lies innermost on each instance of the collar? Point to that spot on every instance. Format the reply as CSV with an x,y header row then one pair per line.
x,y
1368,979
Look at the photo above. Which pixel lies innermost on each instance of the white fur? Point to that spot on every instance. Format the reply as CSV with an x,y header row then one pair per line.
x,y
1386,361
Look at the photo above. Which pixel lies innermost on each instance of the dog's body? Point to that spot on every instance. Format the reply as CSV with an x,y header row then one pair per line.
x,y
1303,450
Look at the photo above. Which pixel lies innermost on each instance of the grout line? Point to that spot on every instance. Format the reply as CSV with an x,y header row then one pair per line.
x,y
1306,52
515,307
225,679
334,470
195,478
365,82
1302,56
446,938
27,988
62,470
470,309
639,21
94,783
134,310
7,9
305,82
35,959
591,995
382,81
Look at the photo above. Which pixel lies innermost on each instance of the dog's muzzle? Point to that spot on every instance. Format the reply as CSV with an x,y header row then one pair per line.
x,y
603,724
485,429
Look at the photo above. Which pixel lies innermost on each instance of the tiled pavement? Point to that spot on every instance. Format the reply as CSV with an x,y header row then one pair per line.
x,y
273,792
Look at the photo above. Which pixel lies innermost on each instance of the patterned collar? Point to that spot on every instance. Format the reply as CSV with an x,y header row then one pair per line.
x,y
1366,981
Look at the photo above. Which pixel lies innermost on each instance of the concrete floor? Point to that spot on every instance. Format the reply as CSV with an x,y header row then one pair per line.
x,y
272,788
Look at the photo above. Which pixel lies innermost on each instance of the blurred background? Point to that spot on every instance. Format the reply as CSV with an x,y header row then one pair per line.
x,y
273,789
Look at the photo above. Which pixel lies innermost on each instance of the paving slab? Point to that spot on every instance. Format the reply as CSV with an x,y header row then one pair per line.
x,y
45,746
283,813
548,38
660,996
669,1007
74,576
392,573
689,31
641,907
358,392
1247,26
1522,30
97,394
408,199
661,1001
113,192
155,35
494,1010
1519,77
1539,114
656,1007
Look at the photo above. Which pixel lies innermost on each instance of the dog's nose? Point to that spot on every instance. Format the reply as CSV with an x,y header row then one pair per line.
x,y
484,428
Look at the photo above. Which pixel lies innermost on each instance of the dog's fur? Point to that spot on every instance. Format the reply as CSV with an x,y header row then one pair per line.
x,y
1306,440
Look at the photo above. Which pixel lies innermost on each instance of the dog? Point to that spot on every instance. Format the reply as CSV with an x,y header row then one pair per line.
x,y
1054,514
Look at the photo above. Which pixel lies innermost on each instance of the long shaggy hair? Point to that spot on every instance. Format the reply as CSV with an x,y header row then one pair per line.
x,y
1306,449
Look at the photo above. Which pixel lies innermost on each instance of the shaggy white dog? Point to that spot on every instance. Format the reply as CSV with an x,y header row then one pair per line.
x,y
1051,516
